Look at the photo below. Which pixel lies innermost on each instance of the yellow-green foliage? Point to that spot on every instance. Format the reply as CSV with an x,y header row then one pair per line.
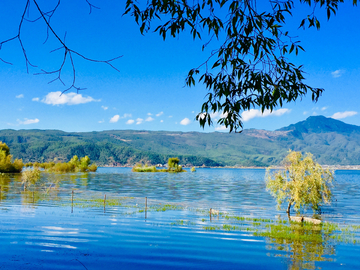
x,y
173,166
74,165
30,177
6,166
303,182
144,168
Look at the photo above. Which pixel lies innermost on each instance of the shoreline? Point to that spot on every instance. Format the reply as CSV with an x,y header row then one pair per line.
x,y
331,167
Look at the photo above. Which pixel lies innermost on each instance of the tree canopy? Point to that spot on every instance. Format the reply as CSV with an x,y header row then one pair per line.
x,y
301,183
248,66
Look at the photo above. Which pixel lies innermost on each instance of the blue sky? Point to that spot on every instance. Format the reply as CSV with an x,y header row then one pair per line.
x,y
148,92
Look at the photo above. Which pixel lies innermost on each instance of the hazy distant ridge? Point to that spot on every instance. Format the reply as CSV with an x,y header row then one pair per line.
x,y
331,141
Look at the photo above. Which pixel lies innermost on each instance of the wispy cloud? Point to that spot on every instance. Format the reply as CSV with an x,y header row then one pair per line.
x,y
324,108
159,114
253,113
115,118
101,121
216,115
337,73
341,115
149,114
126,115
149,119
104,108
161,121
130,121
36,99
57,98
28,121
19,96
221,128
139,121
185,122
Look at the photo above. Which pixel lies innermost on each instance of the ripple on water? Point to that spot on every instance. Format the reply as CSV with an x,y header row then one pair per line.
x,y
39,231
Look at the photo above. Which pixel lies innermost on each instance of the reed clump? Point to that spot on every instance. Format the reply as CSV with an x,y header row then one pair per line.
x,y
30,177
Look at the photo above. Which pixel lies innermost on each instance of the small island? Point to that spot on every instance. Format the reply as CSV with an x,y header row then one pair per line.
x,y
173,167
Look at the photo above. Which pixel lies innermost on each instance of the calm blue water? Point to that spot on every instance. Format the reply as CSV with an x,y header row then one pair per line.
x,y
40,230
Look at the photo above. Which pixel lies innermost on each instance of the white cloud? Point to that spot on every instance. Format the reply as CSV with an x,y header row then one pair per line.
x,y
337,73
139,121
56,98
126,115
159,114
149,114
28,121
324,108
185,122
130,121
19,96
149,119
161,121
35,99
101,121
216,115
193,112
252,113
220,128
105,108
170,116
305,112
115,118
341,115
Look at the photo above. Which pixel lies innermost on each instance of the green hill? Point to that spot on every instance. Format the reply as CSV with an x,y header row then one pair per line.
x,y
331,141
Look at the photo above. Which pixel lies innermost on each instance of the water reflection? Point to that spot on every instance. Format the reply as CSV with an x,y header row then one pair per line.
x,y
302,244
177,222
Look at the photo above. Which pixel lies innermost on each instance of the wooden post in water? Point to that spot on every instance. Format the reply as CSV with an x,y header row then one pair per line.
x,y
104,202
145,207
0,193
72,200
33,197
210,214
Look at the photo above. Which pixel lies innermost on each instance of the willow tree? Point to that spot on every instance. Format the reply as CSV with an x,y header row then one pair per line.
x,y
301,183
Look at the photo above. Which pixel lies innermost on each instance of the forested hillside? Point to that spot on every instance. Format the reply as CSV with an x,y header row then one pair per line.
x,y
331,141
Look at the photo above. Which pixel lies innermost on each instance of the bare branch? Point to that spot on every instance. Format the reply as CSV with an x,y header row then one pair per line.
x,y
91,6
46,16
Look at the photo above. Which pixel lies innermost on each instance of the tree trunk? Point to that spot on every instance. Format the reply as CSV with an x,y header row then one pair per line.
x,y
289,206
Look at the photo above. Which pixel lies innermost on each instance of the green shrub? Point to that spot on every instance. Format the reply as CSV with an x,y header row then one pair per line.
x,y
6,166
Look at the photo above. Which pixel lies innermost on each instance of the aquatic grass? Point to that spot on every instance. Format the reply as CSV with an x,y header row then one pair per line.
x,y
211,228
165,207
182,223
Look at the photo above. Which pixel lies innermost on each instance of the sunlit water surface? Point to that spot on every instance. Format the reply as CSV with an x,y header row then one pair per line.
x,y
42,229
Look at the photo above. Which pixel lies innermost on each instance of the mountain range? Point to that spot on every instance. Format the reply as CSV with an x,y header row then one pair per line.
x,y
331,141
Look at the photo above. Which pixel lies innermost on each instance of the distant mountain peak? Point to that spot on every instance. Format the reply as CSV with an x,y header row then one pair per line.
x,y
321,124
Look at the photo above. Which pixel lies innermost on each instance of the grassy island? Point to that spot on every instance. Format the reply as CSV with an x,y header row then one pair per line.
x,y
173,167
74,165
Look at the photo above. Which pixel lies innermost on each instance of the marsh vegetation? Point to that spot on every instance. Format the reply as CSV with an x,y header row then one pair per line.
x,y
74,165
173,167
6,164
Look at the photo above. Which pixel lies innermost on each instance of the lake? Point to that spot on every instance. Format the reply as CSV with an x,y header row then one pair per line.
x,y
162,221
